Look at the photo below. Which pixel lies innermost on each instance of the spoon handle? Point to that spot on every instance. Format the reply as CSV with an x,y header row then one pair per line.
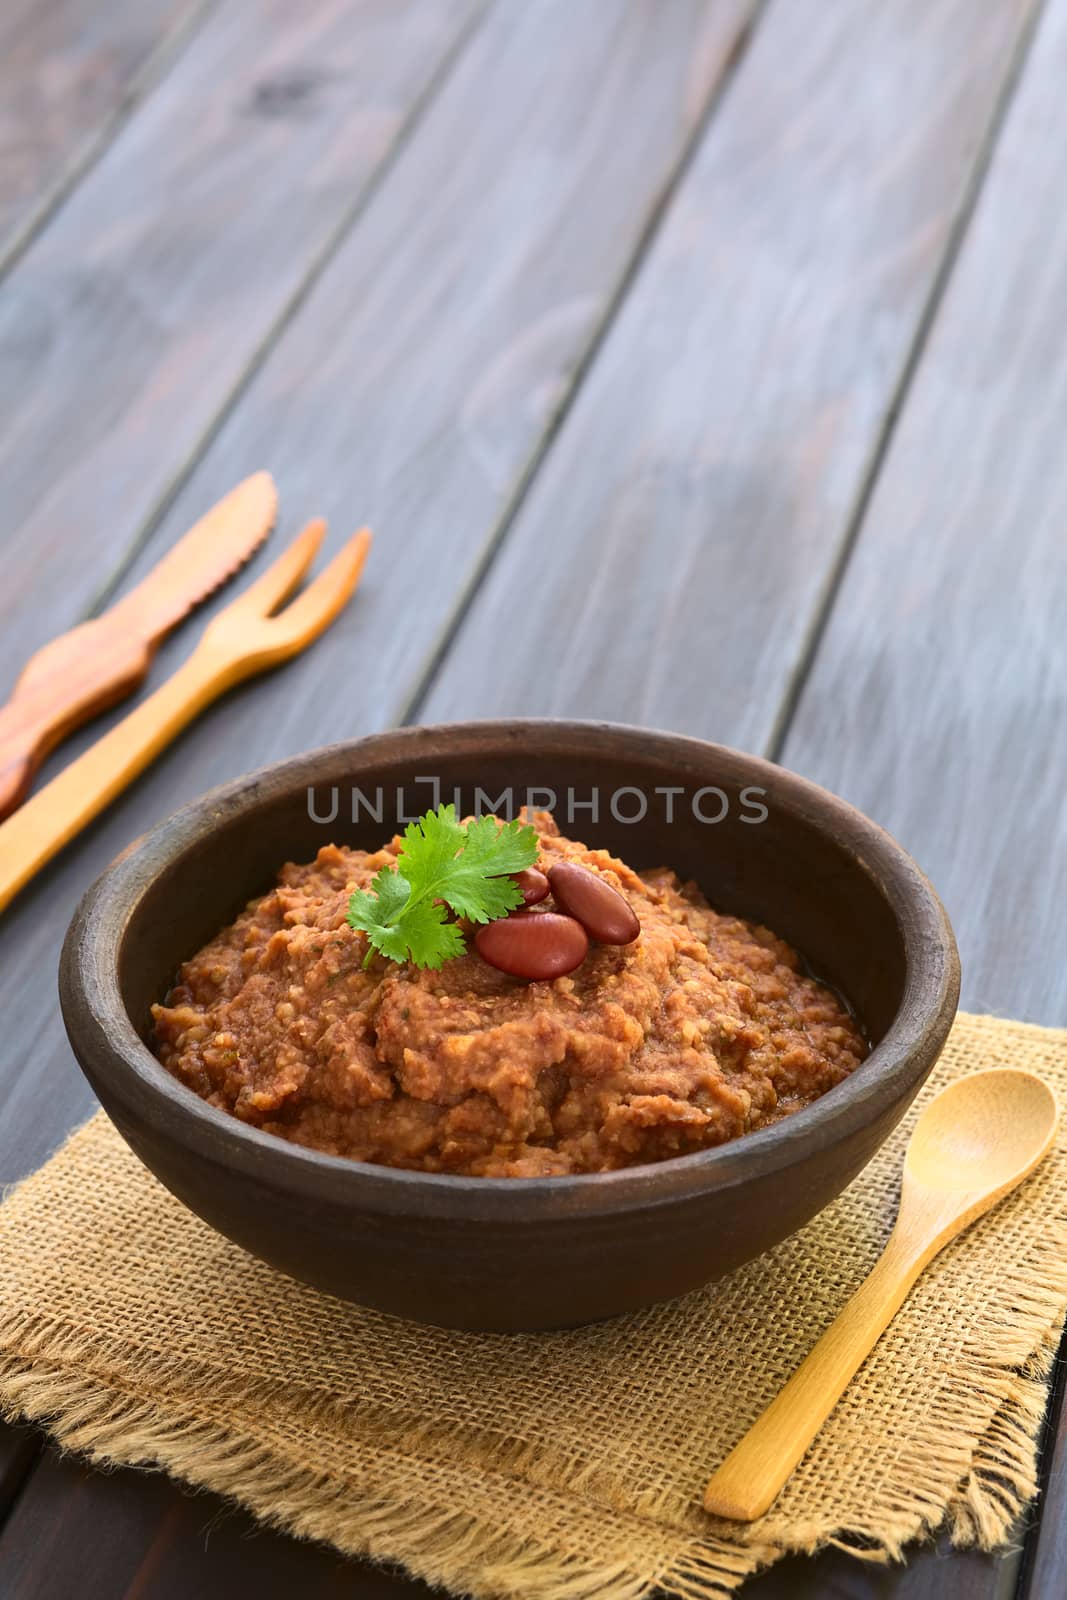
x,y
753,1474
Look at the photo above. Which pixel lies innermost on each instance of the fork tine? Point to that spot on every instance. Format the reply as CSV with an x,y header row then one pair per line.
x,y
313,611
283,575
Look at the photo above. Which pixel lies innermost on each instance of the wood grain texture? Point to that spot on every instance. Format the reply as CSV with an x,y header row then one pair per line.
x,y
416,386
1044,1574
107,1529
669,560
932,1572
137,1536
538,299
936,698
364,407
68,71
131,1535
127,327
19,1449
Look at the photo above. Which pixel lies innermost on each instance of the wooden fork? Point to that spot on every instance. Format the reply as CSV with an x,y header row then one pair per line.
x,y
242,640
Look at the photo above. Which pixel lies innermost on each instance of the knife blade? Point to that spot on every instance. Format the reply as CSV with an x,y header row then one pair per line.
x,y
212,551
97,663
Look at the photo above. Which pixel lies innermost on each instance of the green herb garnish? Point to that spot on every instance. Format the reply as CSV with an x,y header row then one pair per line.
x,y
441,867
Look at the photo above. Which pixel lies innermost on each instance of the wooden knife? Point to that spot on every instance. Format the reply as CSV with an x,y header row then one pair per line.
x,y
99,662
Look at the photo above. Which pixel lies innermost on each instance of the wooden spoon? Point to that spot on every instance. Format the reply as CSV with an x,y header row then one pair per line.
x,y
975,1142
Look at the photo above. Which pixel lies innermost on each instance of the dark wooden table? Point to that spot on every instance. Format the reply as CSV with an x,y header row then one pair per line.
x,y
699,363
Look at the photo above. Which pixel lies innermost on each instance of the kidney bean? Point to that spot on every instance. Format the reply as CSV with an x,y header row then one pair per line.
x,y
604,913
534,885
536,945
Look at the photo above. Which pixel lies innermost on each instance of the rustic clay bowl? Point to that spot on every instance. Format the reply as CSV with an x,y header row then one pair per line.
x,y
518,1253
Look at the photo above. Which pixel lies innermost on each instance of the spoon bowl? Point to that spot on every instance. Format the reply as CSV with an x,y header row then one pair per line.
x,y
984,1132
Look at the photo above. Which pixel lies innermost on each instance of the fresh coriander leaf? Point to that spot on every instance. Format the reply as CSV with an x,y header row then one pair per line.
x,y
477,885
431,938
393,892
431,843
500,847
442,864
444,861
377,913
482,899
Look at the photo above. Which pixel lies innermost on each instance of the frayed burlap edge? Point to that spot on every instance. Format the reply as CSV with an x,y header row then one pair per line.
x,y
112,1426
970,1469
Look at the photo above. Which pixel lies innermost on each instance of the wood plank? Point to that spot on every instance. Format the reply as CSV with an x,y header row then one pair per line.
x,y
128,326
419,383
668,563
548,206
19,1447
821,1591
320,102
1044,1575
137,1536
932,1572
935,700
944,720
463,298
69,71
143,1537
785,464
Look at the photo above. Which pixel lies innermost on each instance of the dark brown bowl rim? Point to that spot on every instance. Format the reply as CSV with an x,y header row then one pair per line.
x,y
105,1038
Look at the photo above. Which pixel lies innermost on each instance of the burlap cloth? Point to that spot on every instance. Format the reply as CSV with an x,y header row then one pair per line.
x,y
545,1465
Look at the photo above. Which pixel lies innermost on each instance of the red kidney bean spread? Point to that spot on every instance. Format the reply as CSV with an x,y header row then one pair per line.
x,y
701,1029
